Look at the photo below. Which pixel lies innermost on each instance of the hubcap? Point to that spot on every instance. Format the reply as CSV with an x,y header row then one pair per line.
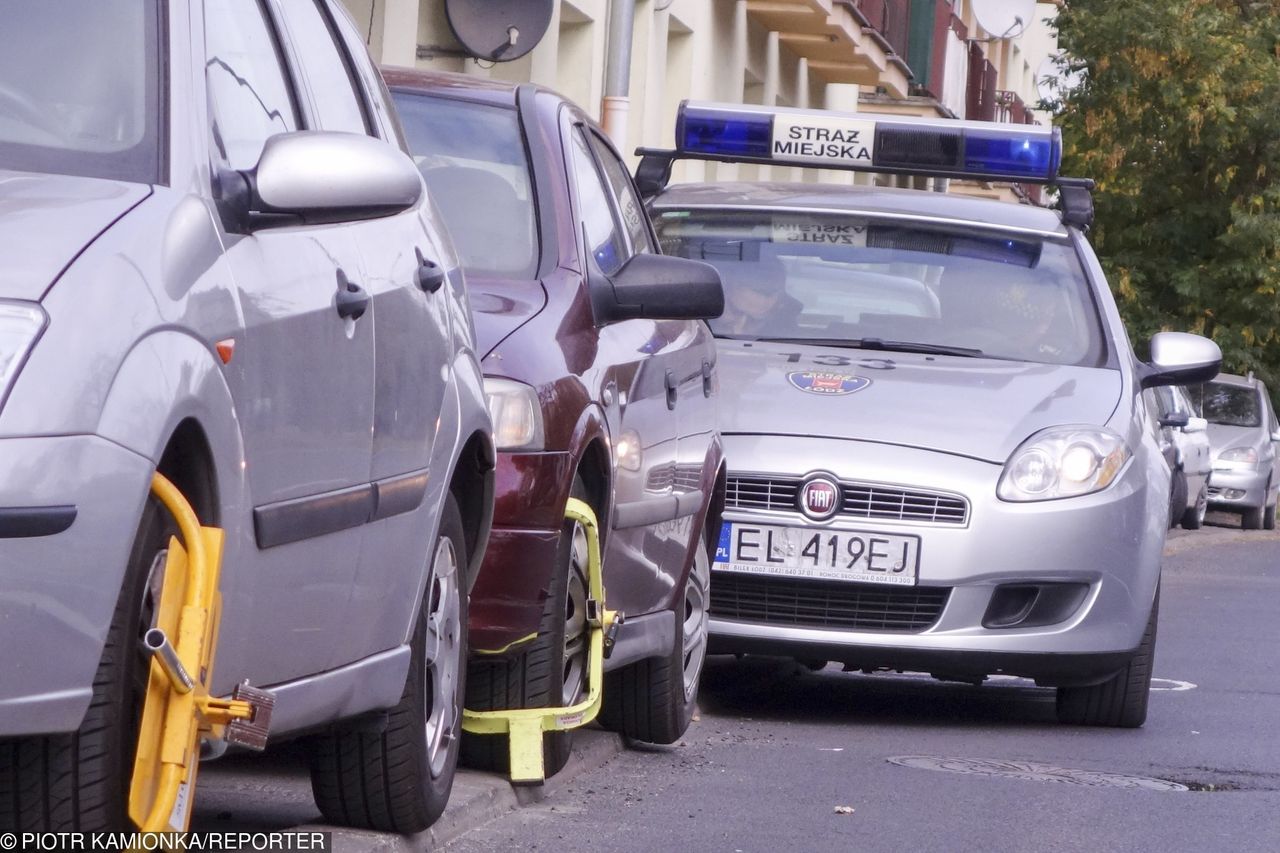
x,y
696,597
1202,505
443,656
573,683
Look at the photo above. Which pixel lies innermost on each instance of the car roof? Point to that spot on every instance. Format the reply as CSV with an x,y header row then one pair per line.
x,y
464,86
891,201
1234,379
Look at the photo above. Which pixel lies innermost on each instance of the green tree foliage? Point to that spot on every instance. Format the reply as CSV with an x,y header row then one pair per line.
x,y
1177,117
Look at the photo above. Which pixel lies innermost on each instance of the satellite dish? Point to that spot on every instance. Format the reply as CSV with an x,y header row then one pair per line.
x,y
1054,80
1004,18
499,30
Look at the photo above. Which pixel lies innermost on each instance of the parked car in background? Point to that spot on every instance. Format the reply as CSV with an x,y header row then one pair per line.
x,y
221,267
601,379
1242,434
1186,436
962,485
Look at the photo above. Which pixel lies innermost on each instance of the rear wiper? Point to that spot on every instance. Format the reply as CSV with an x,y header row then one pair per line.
x,y
882,345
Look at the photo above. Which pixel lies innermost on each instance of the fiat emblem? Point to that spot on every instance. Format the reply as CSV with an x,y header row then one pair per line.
x,y
820,498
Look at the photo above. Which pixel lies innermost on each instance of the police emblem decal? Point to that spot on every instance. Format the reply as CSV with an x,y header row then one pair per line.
x,y
819,497
826,384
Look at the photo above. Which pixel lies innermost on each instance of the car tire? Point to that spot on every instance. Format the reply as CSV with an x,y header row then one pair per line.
x,y
1177,497
1253,517
1269,512
1193,516
398,779
79,781
653,700
550,671
1120,701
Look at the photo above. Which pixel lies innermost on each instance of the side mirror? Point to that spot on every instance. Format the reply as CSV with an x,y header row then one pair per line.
x,y
657,287
1195,425
1178,358
1175,419
1275,436
323,176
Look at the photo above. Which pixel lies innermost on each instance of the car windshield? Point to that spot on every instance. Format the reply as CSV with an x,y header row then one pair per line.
x,y
1230,405
79,88
477,172
842,280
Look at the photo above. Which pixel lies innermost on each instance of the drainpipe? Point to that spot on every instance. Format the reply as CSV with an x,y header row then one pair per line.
x,y
617,74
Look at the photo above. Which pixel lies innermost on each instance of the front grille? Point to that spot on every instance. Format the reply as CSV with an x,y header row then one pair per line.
x,y
825,604
681,478
860,500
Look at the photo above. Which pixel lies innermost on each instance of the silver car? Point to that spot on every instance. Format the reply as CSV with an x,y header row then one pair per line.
x,y
939,459
1185,436
1242,434
221,265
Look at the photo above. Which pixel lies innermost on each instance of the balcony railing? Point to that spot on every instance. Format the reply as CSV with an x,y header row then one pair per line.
x,y
891,21
981,101
1011,108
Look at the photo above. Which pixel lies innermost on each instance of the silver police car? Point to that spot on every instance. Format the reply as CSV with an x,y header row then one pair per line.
x,y
939,459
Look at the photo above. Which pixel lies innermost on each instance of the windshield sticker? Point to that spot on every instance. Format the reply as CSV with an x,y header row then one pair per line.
x,y
826,384
822,139
822,232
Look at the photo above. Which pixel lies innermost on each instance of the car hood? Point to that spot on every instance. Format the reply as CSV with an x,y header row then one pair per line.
x,y
500,306
47,220
1223,437
980,408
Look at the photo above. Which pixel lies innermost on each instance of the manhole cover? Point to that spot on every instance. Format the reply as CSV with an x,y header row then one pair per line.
x,y
1034,772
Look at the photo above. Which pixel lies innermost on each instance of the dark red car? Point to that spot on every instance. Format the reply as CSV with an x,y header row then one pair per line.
x,y
600,374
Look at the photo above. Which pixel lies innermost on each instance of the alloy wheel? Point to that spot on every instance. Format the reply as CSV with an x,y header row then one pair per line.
x,y
696,616
576,629
443,657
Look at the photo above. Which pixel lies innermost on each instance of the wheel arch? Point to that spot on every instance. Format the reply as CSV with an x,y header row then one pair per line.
x,y
471,484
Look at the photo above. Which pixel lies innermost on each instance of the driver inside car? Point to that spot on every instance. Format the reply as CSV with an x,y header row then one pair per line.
x,y
756,301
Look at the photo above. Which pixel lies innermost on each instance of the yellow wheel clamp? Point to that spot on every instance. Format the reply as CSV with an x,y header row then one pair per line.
x,y
524,727
178,711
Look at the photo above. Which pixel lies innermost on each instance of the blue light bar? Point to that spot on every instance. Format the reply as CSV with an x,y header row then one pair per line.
x,y
722,131
868,142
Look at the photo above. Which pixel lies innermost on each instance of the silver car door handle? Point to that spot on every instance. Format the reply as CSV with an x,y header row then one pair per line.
x,y
352,299
430,274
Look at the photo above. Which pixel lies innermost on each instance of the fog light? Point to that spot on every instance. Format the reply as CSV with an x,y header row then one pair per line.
x,y
1033,605
1232,494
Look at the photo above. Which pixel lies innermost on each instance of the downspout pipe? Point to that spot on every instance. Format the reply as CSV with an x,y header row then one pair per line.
x,y
617,73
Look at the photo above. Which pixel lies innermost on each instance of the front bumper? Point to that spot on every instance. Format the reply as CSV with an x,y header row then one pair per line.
x,y
1237,488
1108,545
58,591
530,491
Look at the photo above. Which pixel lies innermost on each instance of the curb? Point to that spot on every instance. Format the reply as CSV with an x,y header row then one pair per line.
x,y
480,797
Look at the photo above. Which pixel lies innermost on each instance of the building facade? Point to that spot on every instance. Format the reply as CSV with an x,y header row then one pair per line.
x,y
917,57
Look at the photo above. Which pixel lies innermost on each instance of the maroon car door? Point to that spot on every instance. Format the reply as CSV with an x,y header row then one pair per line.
x,y
637,373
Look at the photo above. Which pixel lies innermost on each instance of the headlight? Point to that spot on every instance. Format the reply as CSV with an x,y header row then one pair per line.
x,y
1239,454
628,451
1063,462
20,325
516,413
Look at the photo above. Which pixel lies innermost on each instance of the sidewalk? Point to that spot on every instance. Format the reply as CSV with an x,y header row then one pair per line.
x,y
274,793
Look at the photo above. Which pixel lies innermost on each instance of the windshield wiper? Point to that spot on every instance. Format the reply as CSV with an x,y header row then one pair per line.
x,y
882,345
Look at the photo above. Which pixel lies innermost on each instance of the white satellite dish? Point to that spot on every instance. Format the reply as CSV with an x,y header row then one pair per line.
x,y
1053,80
1004,18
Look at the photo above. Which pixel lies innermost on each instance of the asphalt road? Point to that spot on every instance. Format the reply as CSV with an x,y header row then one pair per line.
x,y
777,750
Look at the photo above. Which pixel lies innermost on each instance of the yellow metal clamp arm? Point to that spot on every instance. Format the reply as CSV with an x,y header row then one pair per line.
x,y
524,727
177,710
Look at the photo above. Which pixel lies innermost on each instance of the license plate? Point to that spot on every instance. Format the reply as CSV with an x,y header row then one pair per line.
x,y
799,552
